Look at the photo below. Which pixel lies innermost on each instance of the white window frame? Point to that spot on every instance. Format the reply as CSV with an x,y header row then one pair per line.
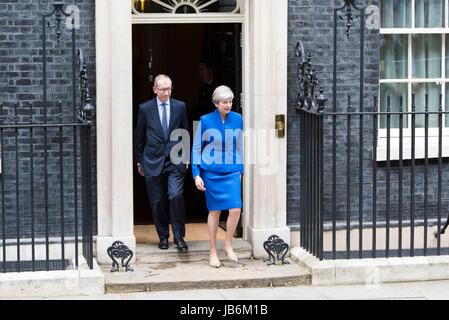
x,y
443,80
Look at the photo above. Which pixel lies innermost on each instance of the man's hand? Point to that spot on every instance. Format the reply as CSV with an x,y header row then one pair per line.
x,y
139,169
199,184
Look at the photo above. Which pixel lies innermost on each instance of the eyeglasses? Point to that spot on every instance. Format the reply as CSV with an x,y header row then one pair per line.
x,y
164,89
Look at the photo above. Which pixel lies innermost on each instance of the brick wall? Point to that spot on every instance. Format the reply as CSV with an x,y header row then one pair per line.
x,y
21,94
312,23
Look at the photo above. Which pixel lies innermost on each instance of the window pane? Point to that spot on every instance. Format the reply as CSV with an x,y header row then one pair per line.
x,y
394,91
396,13
426,55
393,60
429,13
433,90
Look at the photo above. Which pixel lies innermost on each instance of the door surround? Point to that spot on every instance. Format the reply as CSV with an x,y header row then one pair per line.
x,y
264,72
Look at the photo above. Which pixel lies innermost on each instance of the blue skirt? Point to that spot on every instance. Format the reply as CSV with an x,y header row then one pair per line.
x,y
223,190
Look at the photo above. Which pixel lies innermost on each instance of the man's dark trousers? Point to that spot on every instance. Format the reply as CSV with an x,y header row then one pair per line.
x,y
170,182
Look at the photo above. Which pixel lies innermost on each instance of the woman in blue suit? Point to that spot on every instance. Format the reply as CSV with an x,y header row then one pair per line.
x,y
217,167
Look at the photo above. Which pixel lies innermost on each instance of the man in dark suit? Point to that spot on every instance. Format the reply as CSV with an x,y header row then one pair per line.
x,y
157,120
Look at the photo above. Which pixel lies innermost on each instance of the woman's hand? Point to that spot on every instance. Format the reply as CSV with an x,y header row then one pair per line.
x,y
199,183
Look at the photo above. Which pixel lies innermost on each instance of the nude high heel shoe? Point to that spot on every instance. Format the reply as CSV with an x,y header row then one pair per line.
x,y
214,262
231,255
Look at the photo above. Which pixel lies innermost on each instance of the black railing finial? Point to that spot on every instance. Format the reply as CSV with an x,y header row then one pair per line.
x,y
59,13
307,83
348,15
87,110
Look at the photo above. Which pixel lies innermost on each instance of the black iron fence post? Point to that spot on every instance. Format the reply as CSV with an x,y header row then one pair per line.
x,y
40,193
310,108
86,116
86,194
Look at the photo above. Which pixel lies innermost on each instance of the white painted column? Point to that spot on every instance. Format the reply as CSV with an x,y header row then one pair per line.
x,y
114,125
267,185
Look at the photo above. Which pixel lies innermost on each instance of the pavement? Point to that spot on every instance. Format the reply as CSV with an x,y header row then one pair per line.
x,y
424,290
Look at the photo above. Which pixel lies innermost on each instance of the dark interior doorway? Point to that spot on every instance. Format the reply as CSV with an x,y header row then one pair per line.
x,y
180,51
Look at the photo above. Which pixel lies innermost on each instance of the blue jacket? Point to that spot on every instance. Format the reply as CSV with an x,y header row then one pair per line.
x,y
218,146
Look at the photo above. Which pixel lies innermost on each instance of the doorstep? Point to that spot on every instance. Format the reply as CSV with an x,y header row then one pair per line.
x,y
198,251
168,270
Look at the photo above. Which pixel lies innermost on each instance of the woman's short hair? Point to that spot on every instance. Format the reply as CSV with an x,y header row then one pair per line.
x,y
222,93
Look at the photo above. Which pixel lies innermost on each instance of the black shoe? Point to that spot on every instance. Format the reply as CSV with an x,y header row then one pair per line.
x,y
182,245
163,244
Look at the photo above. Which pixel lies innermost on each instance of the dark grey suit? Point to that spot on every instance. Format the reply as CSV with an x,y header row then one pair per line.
x,y
153,153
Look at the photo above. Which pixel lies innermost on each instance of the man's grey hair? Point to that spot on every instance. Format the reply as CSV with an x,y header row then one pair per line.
x,y
222,93
160,77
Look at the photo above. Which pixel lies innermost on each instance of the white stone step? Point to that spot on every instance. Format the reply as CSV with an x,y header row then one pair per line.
x,y
171,276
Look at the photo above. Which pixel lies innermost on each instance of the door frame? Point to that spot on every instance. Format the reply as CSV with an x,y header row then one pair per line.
x,y
200,21
264,72
211,18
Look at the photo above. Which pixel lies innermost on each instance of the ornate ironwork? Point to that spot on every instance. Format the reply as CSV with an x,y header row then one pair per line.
x,y
59,13
87,109
119,250
307,83
348,15
185,6
277,249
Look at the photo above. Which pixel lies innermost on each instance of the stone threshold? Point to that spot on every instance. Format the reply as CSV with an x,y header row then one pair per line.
x,y
372,271
198,251
172,276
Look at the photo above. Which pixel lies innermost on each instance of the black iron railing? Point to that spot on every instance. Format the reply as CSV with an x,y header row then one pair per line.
x,y
42,176
311,193
46,200
372,181
388,187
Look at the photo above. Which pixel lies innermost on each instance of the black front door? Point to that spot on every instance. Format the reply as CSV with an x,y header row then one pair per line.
x,y
180,51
